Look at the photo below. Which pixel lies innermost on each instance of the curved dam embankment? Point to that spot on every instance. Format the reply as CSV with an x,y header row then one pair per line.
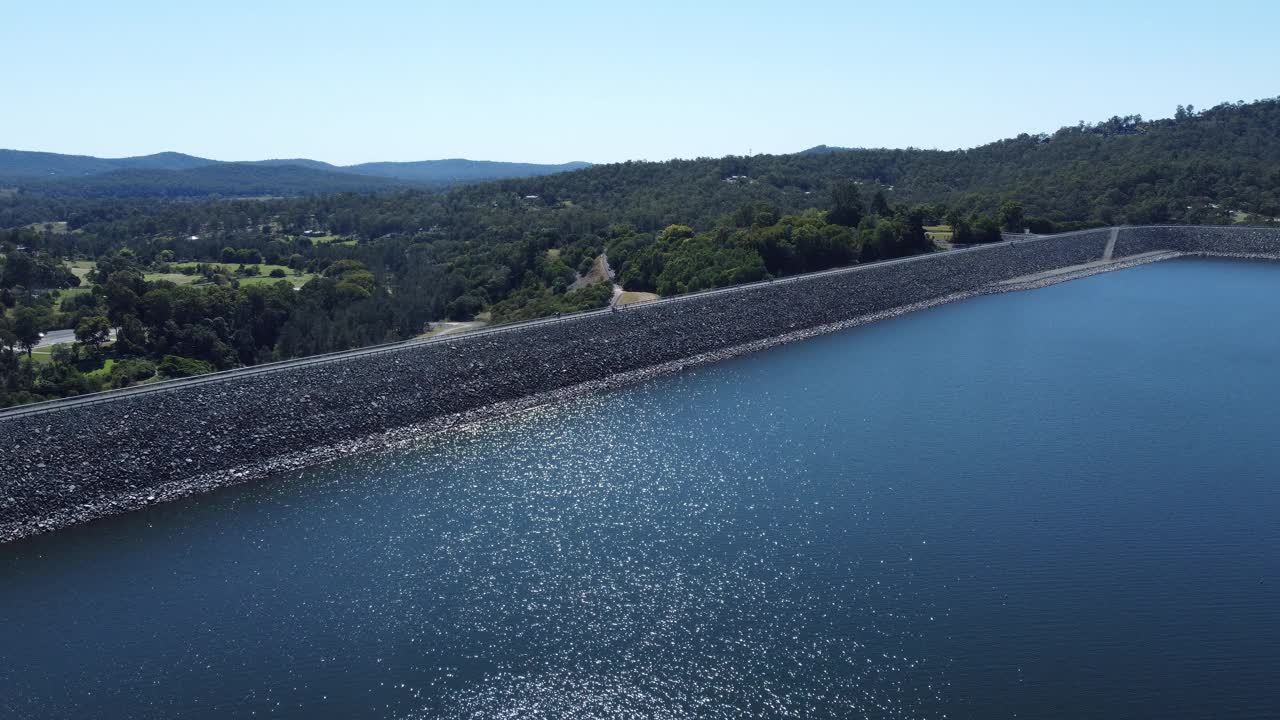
x,y
74,462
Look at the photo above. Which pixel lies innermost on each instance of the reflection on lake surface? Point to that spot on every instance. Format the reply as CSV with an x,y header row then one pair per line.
x,y
1055,504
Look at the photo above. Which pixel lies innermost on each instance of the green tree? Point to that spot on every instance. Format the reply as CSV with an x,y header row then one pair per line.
x,y
1011,217
883,241
985,230
93,331
28,324
879,205
8,338
122,291
19,269
846,205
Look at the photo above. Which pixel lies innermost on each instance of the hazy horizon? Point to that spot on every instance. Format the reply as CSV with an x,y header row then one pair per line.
x,y
394,81
282,159
587,160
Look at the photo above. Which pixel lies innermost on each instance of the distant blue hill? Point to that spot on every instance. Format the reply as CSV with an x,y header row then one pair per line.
x,y
299,162
216,179
459,170
23,164
823,150
179,175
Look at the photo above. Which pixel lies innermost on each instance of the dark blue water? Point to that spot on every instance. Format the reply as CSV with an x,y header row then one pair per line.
x,y
1053,504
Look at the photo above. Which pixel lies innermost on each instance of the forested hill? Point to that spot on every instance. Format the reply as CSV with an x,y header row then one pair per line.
x,y
1212,166
176,175
190,286
1125,169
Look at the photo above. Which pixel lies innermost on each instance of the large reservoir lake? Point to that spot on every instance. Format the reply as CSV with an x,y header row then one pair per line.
x,y
1060,503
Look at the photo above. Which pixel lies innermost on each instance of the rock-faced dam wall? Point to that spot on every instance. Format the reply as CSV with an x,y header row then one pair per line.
x,y
73,461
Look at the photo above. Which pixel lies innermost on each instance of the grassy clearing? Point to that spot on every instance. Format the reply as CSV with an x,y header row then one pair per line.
x,y
938,232
331,240
263,276
93,367
175,278
230,268
295,280
452,328
74,292
627,298
80,268
102,372
57,228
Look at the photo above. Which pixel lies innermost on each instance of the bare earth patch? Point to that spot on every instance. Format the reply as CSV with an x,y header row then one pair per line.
x,y
627,298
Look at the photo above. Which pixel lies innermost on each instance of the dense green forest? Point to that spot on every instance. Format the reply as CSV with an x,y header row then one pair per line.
x,y
185,286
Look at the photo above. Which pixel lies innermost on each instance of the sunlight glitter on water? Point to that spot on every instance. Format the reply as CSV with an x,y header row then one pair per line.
x,y
598,566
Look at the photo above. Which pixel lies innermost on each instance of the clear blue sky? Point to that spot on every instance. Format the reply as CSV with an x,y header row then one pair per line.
x,y
602,81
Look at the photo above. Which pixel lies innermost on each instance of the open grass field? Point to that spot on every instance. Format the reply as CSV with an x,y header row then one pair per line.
x,y
81,269
938,232
295,280
263,268
57,228
332,240
175,278
69,293
263,276
98,370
